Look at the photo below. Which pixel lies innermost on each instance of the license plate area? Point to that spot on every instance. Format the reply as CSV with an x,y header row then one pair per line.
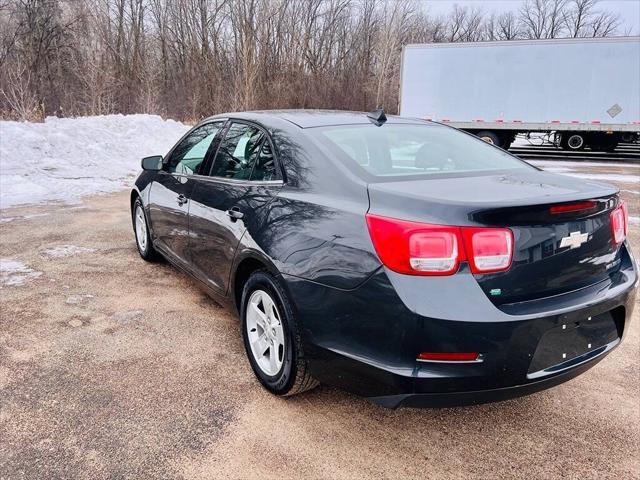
x,y
574,339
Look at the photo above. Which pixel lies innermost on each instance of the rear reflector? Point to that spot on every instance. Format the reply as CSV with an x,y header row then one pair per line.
x,y
415,248
572,207
619,223
449,356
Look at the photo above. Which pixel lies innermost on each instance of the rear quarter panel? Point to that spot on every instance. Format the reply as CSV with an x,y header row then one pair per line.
x,y
315,228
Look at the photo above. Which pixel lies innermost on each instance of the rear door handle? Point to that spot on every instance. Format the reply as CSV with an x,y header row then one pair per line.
x,y
181,199
235,214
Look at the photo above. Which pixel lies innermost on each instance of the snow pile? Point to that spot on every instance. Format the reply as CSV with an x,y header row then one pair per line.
x,y
14,273
64,159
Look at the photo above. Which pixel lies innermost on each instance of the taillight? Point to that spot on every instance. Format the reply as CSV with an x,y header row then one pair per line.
x,y
424,249
416,248
488,249
619,220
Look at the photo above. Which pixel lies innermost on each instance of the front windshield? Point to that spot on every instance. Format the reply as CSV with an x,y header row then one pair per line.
x,y
400,150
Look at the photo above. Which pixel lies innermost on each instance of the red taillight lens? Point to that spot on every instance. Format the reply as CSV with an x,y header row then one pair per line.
x,y
449,356
619,223
415,248
423,249
488,249
433,251
573,207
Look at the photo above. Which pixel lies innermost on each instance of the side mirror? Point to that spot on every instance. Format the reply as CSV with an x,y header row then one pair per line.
x,y
152,163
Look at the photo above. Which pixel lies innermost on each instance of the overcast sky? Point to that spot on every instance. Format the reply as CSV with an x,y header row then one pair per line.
x,y
629,10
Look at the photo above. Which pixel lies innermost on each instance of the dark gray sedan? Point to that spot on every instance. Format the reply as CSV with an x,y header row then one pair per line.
x,y
398,259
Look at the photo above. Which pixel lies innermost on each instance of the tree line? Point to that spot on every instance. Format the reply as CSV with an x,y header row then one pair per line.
x,y
188,59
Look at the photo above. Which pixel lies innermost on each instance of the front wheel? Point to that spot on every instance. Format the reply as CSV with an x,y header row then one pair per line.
x,y
271,339
141,229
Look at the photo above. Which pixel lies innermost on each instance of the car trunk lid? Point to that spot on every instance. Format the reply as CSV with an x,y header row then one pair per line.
x,y
556,250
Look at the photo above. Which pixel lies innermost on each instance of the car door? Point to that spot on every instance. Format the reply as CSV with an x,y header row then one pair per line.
x,y
243,180
170,193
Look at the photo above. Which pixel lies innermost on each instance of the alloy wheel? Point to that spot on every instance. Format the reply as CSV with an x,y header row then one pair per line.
x,y
265,332
141,229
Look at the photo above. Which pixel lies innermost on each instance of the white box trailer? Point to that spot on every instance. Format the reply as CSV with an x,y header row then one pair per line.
x,y
587,90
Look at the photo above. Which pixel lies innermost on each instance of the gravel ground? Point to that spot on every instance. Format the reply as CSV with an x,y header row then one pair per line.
x,y
114,368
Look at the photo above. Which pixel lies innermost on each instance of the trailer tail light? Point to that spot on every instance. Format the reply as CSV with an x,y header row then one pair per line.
x,y
449,357
619,220
415,248
488,249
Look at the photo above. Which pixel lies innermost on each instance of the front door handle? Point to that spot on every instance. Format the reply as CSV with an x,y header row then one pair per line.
x,y
235,214
181,199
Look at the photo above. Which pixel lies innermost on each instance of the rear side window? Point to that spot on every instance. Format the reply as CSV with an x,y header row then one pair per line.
x,y
187,157
400,150
239,153
265,168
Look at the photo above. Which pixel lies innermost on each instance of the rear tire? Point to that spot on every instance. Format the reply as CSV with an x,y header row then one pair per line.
x,y
141,231
269,330
490,137
600,142
572,141
629,137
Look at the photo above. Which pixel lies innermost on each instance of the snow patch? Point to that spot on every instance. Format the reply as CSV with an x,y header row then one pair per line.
x,y
65,251
65,159
14,273
557,169
579,164
76,299
24,217
607,177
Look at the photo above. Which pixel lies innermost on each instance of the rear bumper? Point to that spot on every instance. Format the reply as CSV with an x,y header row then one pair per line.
x,y
366,340
474,397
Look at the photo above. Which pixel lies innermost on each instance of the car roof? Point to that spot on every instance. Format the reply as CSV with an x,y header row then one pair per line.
x,y
316,118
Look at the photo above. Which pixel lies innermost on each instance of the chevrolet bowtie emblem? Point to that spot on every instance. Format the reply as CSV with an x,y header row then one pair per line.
x,y
574,240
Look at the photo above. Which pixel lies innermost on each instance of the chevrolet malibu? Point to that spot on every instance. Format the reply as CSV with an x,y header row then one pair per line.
x,y
398,259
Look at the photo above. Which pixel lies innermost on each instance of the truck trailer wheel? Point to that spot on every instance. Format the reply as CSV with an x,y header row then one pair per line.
x,y
490,137
629,137
601,142
572,141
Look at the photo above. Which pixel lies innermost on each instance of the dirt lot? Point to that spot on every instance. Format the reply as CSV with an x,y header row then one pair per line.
x,y
111,367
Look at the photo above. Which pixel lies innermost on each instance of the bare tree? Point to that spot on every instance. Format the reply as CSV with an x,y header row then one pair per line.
x,y
603,24
191,58
542,18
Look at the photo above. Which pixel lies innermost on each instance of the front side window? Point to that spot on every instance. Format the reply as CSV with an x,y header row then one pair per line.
x,y
401,150
239,152
188,156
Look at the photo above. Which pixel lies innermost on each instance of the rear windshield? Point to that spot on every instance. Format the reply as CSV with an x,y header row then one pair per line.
x,y
401,150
